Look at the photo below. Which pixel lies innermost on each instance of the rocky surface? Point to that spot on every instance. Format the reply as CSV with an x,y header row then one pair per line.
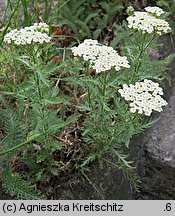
x,y
109,182
156,163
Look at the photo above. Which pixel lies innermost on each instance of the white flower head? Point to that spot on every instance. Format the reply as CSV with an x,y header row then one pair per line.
x,y
38,33
144,97
156,11
101,57
146,22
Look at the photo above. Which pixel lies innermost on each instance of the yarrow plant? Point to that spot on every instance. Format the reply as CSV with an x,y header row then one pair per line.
x,y
146,22
102,58
111,124
145,27
35,93
101,128
38,33
111,92
144,96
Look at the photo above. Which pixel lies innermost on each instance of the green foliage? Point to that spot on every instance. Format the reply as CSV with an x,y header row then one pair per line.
x,y
14,128
25,12
28,117
35,102
16,186
110,125
85,18
13,11
142,67
89,18
167,5
14,132
125,166
120,35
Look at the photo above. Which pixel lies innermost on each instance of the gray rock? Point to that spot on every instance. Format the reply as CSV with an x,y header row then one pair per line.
x,y
156,166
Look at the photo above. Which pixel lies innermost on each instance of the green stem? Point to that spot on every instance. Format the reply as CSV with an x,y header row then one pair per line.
x,y
40,96
139,59
132,177
88,89
103,91
63,4
104,84
20,145
96,189
89,96
37,79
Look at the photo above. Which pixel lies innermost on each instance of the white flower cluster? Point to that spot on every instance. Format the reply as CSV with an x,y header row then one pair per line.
x,y
144,96
146,22
101,57
38,33
157,11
